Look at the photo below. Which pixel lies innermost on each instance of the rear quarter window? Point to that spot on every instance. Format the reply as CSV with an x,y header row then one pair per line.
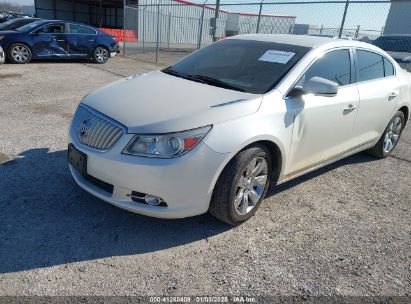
x,y
388,67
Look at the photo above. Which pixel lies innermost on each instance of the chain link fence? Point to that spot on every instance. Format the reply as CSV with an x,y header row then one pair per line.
x,y
166,30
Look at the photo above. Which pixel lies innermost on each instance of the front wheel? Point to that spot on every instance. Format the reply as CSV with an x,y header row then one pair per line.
x,y
19,53
390,137
242,185
100,55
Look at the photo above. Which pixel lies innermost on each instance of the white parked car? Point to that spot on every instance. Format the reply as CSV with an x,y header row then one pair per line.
x,y
212,131
2,56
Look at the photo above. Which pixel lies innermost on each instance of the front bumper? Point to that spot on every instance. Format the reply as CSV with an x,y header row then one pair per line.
x,y
184,183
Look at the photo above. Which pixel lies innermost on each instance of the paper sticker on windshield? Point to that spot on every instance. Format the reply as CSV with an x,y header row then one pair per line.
x,y
276,56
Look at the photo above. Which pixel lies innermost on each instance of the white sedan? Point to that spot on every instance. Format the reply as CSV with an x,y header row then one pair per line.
x,y
211,132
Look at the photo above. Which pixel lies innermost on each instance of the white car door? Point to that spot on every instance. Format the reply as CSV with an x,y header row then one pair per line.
x,y
378,88
323,125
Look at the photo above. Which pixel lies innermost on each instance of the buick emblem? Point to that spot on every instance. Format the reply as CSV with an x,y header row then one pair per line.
x,y
83,129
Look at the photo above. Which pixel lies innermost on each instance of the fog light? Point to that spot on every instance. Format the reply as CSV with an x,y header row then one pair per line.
x,y
152,200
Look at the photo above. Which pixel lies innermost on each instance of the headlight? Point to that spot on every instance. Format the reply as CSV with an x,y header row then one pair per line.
x,y
165,145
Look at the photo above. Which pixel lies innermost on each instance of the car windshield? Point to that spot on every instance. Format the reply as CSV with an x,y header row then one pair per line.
x,y
242,65
394,44
30,26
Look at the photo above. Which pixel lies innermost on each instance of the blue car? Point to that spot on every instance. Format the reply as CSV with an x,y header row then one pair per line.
x,y
53,39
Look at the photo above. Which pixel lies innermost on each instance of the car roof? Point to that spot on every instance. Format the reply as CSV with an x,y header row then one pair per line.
x,y
300,40
396,35
71,22
23,18
306,40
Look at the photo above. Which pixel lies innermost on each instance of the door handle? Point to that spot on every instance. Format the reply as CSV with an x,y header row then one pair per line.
x,y
91,40
349,109
392,95
60,40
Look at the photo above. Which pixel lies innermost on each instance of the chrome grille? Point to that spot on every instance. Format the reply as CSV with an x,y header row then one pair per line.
x,y
94,129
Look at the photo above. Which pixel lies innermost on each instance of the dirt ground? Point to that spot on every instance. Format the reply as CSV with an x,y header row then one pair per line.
x,y
342,230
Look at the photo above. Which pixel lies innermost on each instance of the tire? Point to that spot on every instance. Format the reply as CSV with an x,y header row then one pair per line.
x,y
225,204
100,55
19,53
391,133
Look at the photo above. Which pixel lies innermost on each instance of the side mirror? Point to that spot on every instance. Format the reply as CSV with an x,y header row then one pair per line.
x,y
320,86
317,86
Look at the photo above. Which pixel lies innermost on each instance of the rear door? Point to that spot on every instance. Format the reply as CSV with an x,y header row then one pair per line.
x,y
81,40
323,125
50,41
378,88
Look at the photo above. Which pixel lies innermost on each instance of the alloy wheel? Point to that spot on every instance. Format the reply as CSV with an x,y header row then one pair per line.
x,y
392,135
20,53
251,185
101,54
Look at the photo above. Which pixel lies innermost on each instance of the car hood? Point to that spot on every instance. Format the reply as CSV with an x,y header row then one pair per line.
x,y
401,56
159,103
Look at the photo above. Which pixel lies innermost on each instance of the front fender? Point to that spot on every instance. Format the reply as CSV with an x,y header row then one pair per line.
x,y
273,122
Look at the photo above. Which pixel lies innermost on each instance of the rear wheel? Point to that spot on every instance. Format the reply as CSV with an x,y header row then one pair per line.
x,y
19,53
242,185
390,137
100,55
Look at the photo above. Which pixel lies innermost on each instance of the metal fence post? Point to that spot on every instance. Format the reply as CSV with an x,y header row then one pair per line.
x,y
259,17
144,26
158,31
124,27
169,29
217,9
343,19
200,28
357,31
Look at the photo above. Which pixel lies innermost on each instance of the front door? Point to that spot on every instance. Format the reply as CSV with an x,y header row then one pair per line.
x,y
323,125
50,41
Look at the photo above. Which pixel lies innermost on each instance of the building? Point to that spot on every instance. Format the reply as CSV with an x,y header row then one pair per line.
x,y
399,18
99,13
109,14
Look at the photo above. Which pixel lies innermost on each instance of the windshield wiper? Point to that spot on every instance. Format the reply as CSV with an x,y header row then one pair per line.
x,y
213,81
203,79
173,72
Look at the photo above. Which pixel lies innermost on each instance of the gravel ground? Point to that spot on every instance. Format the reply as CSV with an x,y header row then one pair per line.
x,y
342,230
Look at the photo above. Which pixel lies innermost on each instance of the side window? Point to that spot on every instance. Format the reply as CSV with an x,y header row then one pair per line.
x,y
80,29
388,67
52,29
370,65
334,66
